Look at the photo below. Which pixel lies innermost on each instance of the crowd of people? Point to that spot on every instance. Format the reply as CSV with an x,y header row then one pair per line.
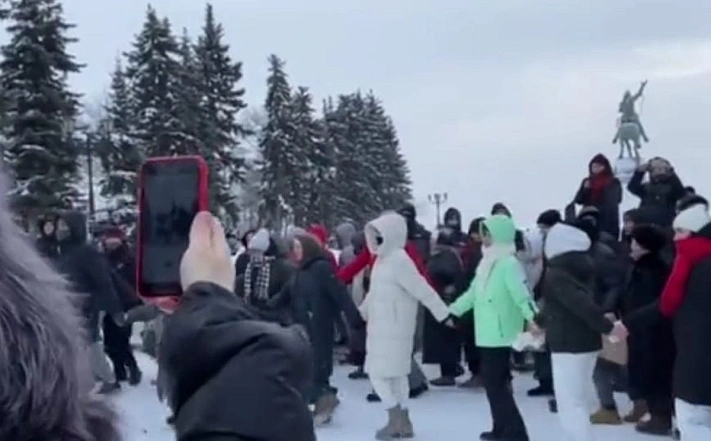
x,y
587,282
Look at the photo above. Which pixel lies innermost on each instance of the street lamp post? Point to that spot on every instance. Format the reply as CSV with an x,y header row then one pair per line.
x,y
90,174
438,199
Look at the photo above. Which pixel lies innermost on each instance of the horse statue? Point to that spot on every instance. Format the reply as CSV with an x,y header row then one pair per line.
x,y
629,136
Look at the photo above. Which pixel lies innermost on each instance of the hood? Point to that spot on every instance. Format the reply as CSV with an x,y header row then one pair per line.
x,y
601,159
453,219
320,232
76,221
345,233
392,228
45,375
244,237
501,229
500,208
564,238
41,222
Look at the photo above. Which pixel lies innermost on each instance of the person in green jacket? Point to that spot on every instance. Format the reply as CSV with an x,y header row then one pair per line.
x,y
502,305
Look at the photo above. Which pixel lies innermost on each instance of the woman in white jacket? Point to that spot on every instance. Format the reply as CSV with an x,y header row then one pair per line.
x,y
390,309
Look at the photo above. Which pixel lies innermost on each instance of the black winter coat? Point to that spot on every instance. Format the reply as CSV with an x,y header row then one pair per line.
x,y
659,195
651,343
316,298
89,273
232,377
440,342
573,321
608,206
609,273
123,275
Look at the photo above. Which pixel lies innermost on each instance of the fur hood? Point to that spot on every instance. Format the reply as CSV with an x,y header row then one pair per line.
x,y
45,378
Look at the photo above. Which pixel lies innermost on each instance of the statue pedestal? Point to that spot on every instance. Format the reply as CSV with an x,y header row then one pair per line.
x,y
624,169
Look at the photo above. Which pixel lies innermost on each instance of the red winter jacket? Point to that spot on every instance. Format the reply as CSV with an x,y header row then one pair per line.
x,y
362,260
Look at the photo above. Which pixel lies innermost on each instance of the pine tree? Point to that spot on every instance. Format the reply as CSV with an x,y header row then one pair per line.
x,y
153,71
277,150
186,92
119,154
41,108
355,176
391,175
311,190
221,102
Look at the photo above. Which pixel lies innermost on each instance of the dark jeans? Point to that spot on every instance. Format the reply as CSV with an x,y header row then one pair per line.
x,y
496,374
341,328
543,368
448,369
117,345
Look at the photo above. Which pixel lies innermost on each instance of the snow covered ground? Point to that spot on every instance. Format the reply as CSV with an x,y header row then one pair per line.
x,y
441,414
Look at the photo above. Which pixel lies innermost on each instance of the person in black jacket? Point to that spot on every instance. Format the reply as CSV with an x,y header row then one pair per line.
x,y
574,323
243,259
117,337
602,190
89,273
265,274
47,241
316,298
440,342
650,345
662,191
229,375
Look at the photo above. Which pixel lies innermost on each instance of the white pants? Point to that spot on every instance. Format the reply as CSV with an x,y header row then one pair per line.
x,y
392,391
572,380
694,421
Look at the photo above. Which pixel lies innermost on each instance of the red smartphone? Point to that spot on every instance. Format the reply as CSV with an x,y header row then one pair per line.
x,y
171,191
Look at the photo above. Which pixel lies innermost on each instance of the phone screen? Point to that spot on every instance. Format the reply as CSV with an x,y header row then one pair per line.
x,y
169,202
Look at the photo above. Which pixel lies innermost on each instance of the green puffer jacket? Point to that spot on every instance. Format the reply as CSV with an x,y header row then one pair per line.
x,y
501,302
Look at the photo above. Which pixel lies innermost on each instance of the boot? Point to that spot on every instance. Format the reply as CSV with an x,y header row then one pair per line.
x,y
606,417
406,430
639,410
473,382
134,378
443,381
419,390
372,397
392,428
656,425
108,388
324,408
358,374
543,390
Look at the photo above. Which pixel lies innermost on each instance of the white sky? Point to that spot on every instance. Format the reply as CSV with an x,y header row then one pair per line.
x,y
500,100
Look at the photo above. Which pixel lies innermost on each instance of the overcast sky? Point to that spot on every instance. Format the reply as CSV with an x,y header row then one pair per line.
x,y
500,100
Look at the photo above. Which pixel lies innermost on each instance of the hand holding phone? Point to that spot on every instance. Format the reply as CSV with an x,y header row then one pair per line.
x,y
207,258
172,191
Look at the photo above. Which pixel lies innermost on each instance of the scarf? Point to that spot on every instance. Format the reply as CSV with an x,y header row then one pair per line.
x,y
489,257
689,252
598,184
262,264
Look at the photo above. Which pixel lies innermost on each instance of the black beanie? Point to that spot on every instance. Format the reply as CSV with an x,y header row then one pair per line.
x,y
475,226
549,218
649,237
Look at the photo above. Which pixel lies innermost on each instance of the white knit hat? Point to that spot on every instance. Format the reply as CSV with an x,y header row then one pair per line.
x,y
260,241
693,218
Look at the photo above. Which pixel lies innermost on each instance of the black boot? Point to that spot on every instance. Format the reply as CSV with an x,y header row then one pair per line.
x,y
419,390
543,390
358,374
372,397
134,372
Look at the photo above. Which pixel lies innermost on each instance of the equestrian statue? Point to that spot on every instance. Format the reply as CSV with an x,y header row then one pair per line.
x,y
629,127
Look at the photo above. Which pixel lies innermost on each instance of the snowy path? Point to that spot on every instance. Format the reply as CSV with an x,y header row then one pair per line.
x,y
441,414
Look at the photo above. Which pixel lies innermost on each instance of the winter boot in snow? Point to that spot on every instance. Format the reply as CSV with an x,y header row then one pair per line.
x,y
489,436
406,430
606,417
372,397
392,428
108,388
473,382
358,374
443,381
419,390
639,410
656,425
324,408
545,389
